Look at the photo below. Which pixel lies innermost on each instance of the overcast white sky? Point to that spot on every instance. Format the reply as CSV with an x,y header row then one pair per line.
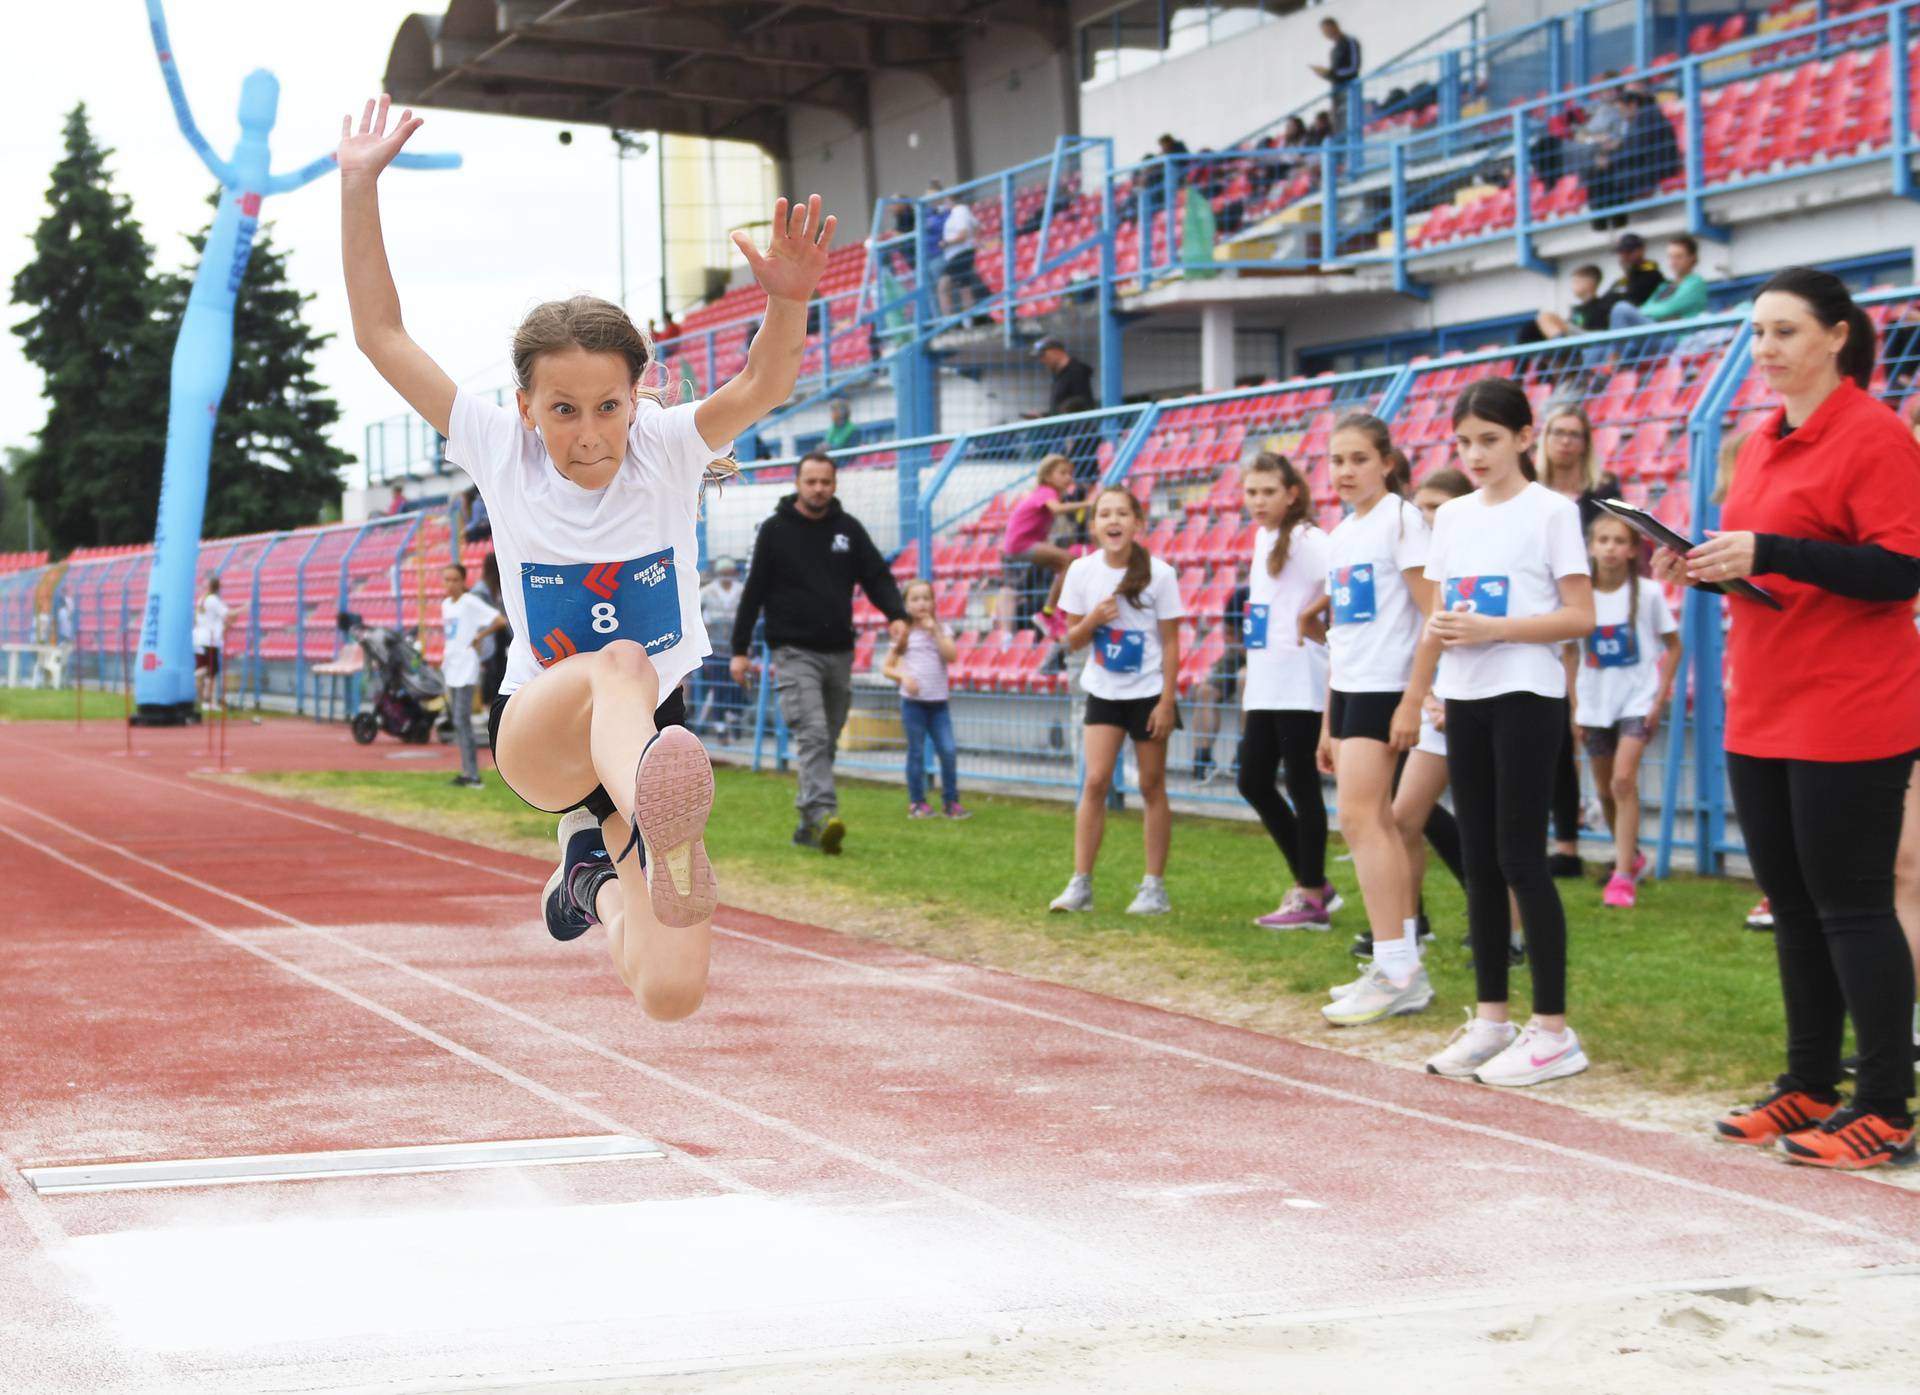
x,y
525,220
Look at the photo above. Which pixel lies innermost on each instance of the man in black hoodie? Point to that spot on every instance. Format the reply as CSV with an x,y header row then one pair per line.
x,y
806,561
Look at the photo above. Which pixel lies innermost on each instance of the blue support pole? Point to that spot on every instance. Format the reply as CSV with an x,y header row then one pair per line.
x,y
1556,56
1401,281
1111,368
250,676
399,584
1696,205
1898,34
1583,45
1450,88
1523,201
1009,254
922,504
300,624
1329,213
1642,34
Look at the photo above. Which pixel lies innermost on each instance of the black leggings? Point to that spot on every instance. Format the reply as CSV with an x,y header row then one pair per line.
x,y
1821,836
1268,741
1566,792
1500,758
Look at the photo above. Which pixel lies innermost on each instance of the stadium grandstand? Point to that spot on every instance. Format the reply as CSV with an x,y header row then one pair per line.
x,y
1290,251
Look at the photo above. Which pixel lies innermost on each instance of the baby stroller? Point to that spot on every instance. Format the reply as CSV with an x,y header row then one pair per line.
x,y
404,695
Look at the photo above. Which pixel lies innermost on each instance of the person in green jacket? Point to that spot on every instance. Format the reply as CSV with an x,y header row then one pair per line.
x,y
841,432
1683,296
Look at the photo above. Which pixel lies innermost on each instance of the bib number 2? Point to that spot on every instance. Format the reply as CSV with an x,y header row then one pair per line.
x,y
583,606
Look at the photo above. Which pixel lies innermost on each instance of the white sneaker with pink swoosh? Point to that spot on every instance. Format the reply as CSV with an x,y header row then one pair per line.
x,y
1535,1056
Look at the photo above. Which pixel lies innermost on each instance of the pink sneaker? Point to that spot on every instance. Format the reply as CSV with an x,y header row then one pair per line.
x,y
922,810
1050,623
672,796
958,811
1300,909
1639,867
1619,892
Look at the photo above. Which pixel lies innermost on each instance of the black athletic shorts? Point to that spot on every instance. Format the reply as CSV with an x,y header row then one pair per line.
x,y
1129,714
1362,714
671,713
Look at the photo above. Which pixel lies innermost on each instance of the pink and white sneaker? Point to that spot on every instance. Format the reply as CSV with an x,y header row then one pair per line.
x,y
1299,909
672,796
922,810
1619,892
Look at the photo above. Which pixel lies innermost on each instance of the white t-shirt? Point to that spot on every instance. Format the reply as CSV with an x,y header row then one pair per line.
x,y
958,232
210,622
1124,659
1504,559
1373,624
1620,663
460,621
581,567
1284,673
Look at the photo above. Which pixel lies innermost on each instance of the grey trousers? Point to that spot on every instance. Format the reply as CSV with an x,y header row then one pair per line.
x,y
460,707
815,692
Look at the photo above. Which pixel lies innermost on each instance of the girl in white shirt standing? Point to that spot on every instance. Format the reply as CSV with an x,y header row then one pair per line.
x,y
1624,683
1378,597
1513,587
593,487
1126,605
1284,689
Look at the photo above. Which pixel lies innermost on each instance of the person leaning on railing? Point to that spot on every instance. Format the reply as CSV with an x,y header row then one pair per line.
x,y
1824,508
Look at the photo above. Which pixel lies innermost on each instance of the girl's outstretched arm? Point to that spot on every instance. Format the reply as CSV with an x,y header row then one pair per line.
x,y
789,270
377,327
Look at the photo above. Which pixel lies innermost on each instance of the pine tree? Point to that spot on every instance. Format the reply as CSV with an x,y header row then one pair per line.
x,y
95,474
273,466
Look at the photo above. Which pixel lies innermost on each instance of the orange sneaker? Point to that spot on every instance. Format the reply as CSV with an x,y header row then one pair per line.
x,y
1766,1121
1850,1140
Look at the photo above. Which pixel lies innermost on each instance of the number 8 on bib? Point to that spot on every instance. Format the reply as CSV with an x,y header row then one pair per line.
x,y
583,606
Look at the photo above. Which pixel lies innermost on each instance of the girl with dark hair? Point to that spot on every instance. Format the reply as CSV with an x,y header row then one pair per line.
x,y
1626,679
1125,603
1378,599
1824,507
593,486
1285,688
1512,571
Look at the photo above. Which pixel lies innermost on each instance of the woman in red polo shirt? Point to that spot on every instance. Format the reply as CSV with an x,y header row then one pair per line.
x,y
1822,720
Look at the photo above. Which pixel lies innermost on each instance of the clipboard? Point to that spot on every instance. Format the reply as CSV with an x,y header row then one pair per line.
x,y
1656,532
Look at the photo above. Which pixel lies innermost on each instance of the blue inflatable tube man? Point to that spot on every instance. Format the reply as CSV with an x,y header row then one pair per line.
x,y
202,359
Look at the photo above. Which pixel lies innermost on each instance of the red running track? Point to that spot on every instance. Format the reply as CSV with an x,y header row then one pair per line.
x,y
865,1147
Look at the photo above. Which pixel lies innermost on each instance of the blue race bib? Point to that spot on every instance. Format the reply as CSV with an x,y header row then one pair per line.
x,y
1253,627
583,606
1119,651
1351,591
1483,595
1613,646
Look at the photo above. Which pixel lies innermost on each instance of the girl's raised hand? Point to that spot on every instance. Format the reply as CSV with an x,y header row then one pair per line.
x,y
796,255
372,148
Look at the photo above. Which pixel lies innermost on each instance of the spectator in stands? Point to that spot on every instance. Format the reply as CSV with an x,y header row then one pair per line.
x,y
465,622
477,527
807,559
210,621
918,663
1027,544
841,432
723,704
1647,154
1682,296
1580,319
1072,387
957,249
1321,131
1171,145
1639,278
1270,168
397,501
933,264
1341,68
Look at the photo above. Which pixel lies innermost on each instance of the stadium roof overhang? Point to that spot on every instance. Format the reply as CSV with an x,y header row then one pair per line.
x,y
728,71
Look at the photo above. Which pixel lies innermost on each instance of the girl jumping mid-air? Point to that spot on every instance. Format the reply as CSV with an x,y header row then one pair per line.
x,y
593,487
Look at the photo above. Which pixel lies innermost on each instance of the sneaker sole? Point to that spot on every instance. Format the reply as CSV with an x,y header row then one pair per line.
x,y
1312,927
1055,908
1566,1066
1157,910
1406,1009
1900,1157
672,796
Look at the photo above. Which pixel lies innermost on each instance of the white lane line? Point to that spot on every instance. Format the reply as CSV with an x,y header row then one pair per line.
x,y
1184,1053
1130,1274
572,1106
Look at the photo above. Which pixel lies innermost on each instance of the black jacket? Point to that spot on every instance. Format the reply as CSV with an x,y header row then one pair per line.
x,y
1072,389
802,575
